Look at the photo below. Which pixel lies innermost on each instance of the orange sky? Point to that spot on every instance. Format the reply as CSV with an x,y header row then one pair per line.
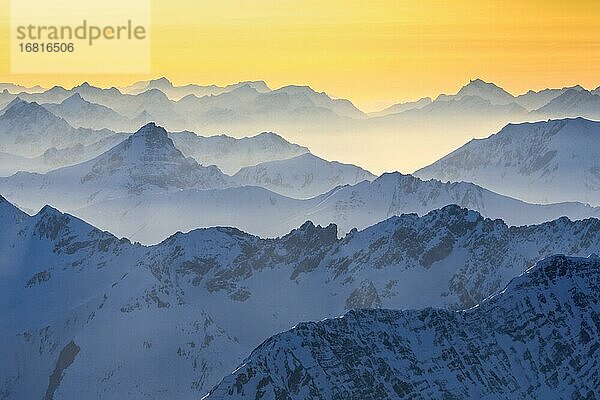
x,y
374,53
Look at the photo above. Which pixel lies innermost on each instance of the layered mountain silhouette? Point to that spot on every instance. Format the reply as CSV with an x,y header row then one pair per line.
x,y
150,217
106,315
81,113
231,154
28,130
428,127
177,92
188,243
145,162
304,176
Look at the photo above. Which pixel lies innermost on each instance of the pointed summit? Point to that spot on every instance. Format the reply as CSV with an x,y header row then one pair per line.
x,y
150,138
17,101
154,137
160,82
487,91
83,87
148,158
154,94
149,127
480,82
75,98
25,113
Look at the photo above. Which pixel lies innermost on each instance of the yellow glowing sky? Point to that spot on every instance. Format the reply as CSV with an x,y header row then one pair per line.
x,y
372,52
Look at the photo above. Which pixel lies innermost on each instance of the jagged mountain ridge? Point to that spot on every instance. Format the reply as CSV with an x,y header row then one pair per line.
x,y
267,214
81,113
177,92
206,291
572,103
533,100
536,339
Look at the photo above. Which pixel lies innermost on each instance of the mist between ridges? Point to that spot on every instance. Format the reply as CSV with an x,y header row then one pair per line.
x,y
91,33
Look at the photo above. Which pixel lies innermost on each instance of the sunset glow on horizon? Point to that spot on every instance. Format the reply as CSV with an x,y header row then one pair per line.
x,y
374,54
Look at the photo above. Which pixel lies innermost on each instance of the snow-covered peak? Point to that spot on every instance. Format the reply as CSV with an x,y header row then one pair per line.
x,y
535,162
151,130
149,157
146,161
154,95
150,143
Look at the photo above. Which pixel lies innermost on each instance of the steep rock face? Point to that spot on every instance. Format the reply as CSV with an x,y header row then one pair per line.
x,y
536,339
535,162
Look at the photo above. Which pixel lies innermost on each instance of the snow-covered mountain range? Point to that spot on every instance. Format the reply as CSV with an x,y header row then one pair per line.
x,y
303,176
81,113
574,102
231,154
321,121
28,130
151,218
542,162
97,316
145,162
275,235
177,92
536,339
130,188
54,158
